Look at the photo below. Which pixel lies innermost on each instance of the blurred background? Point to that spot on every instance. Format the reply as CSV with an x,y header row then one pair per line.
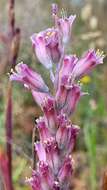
x,y
89,31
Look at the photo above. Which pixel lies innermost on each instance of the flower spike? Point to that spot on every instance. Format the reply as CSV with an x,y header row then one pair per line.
x,y
57,134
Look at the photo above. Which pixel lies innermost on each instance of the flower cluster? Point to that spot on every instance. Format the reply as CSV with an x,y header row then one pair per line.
x,y
57,134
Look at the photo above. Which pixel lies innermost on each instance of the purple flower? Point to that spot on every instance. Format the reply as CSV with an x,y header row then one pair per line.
x,y
47,177
69,62
39,148
50,113
66,138
73,97
43,130
65,26
52,155
61,94
47,45
29,78
64,77
66,172
87,63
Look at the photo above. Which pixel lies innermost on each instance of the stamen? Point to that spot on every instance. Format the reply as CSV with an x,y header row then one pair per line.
x,y
11,72
100,53
63,13
49,34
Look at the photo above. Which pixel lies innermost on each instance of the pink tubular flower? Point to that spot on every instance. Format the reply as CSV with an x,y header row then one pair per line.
x,y
52,154
66,137
50,114
47,177
87,63
65,26
64,77
47,46
65,172
73,96
40,151
43,130
29,78
69,62
61,94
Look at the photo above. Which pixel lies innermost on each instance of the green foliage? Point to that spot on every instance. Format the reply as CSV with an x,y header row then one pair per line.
x,y
90,142
18,171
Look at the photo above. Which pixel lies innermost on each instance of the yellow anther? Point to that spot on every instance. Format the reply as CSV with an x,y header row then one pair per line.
x,y
100,53
49,34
